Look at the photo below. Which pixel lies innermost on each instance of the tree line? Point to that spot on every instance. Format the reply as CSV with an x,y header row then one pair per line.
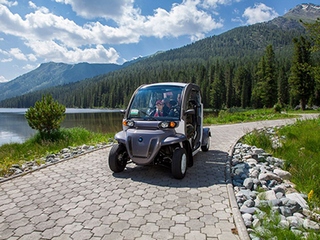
x,y
251,79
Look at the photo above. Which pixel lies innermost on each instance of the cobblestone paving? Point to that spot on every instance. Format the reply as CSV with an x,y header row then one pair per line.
x,y
82,199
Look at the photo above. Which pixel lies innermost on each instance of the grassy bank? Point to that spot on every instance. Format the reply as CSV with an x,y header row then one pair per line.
x,y
301,151
35,148
238,115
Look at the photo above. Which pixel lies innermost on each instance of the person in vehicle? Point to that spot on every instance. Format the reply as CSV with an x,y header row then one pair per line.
x,y
167,106
159,112
174,109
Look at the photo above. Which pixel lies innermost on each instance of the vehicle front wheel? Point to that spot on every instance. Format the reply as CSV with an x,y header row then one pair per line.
x,y
118,158
179,163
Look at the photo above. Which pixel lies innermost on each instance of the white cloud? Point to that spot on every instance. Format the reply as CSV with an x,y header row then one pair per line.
x,y
32,5
182,19
16,53
51,51
6,60
29,67
3,79
259,13
56,38
9,3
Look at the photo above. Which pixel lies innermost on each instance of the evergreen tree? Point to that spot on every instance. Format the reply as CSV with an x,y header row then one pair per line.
x,y
301,81
218,89
46,116
266,77
283,89
314,32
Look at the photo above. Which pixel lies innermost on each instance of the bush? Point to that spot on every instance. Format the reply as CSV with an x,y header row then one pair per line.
x,y
46,117
277,108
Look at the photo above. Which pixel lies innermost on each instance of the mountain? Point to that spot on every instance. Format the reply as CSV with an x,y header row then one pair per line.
x,y
53,74
222,58
308,12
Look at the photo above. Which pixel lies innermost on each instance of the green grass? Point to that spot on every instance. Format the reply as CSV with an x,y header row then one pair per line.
x,y
300,148
238,115
301,151
271,227
35,147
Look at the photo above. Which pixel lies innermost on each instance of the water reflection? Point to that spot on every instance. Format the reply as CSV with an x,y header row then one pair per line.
x,y
14,126
96,122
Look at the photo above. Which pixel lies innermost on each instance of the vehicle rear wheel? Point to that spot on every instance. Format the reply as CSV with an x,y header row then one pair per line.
x,y
118,158
206,147
179,163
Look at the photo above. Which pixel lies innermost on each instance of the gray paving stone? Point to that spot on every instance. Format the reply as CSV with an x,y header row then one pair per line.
x,y
82,198
52,232
179,230
163,235
83,234
101,231
195,235
131,233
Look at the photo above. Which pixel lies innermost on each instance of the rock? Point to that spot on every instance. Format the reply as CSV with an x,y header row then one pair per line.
x,y
284,224
85,147
269,176
282,174
285,211
298,199
249,203
279,195
279,189
248,183
254,173
275,202
65,150
268,195
256,223
250,210
247,216
257,150
252,162
295,222
311,225
254,169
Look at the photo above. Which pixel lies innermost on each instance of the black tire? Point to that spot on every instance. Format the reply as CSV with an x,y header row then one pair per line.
x,y
206,147
179,163
118,158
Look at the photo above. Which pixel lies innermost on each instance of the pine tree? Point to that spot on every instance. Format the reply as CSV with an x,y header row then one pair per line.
x,y
314,32
46,116
300,81
266,88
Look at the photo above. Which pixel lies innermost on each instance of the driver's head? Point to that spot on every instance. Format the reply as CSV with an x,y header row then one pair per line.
x,y
159,104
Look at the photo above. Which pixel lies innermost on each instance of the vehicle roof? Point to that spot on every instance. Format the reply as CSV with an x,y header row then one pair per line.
x,y
178,84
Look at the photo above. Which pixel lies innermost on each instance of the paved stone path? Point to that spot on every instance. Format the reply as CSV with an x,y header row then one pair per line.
x,y
82,199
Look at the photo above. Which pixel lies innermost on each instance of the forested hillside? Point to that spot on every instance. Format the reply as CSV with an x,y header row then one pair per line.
x,y
53,74
248,66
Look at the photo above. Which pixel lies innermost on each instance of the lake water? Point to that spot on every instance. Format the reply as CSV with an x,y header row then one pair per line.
x,y
14,126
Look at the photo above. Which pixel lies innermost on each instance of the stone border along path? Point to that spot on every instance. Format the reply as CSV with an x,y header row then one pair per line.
x,y
82,199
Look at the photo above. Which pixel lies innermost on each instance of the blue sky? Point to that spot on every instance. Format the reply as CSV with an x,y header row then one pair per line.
x,y
115,31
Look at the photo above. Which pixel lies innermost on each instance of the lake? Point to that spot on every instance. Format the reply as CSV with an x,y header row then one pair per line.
x,y
14,126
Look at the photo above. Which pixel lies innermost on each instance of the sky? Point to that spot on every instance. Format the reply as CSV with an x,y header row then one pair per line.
x,y
116,31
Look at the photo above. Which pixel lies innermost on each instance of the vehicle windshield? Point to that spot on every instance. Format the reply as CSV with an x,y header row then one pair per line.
x,y
156,103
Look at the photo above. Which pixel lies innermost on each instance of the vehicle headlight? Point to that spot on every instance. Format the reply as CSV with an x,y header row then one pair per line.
x,y
168,124
128,123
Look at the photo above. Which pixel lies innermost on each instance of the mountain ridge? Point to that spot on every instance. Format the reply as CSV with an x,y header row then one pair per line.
x,y
52,74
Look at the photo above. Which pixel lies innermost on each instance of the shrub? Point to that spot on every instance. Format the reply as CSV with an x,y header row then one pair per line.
x,y
46,116
277,108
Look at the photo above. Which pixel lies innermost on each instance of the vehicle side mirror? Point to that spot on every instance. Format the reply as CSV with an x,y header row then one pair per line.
x,y
123,111
190,112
